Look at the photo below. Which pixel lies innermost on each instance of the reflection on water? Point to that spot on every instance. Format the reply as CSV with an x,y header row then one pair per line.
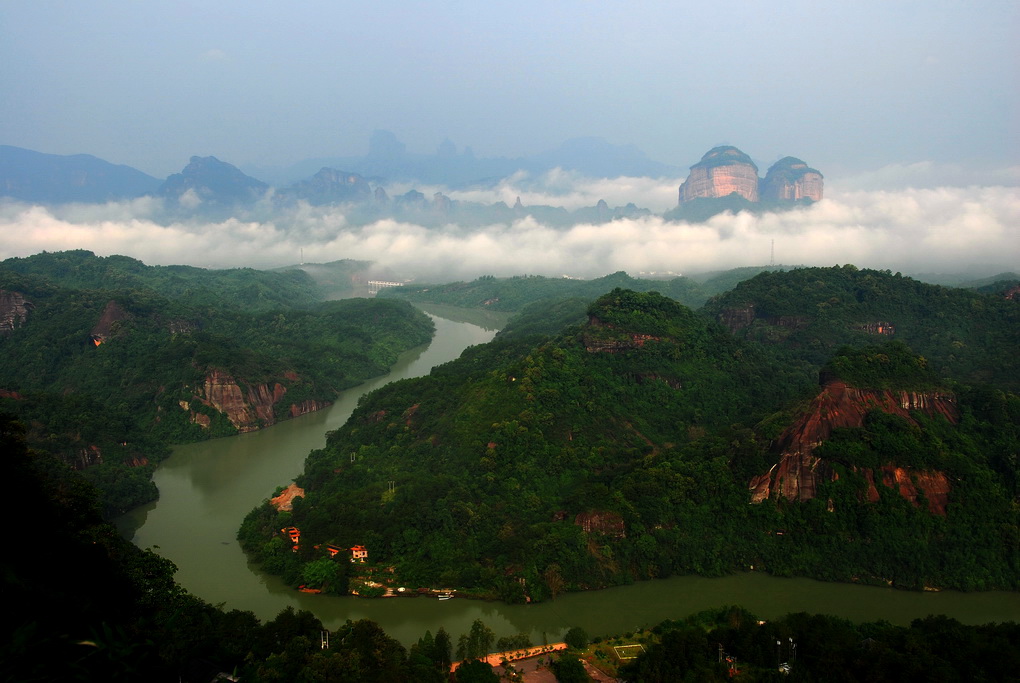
x,y
207,488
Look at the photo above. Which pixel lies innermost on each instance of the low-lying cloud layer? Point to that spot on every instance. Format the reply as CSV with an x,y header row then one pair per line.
x,y
946,229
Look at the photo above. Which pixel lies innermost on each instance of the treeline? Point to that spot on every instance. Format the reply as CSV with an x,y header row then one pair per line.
x,y
107,377
964,334
513,293
733,644
623,449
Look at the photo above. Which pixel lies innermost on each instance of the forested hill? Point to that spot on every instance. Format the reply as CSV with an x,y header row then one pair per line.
x,y
512,294
109,361
967,335
244,288
626,448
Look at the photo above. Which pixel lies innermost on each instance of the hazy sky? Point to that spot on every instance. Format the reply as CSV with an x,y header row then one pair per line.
x,y
846,86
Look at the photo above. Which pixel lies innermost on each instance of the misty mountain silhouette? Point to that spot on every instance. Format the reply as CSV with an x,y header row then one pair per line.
x,y
55,179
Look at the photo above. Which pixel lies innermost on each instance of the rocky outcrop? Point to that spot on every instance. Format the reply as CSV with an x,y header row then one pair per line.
x,y
877,327
909,483
207,179
736,319
725,171
330,186
790,179
595,343
249,408
721,172
285,501
797,474
112,315
307,406
14,311
601,522
182,326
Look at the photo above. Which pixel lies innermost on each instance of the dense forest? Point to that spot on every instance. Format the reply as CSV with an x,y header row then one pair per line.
x,y
624,448
120,616
109,361
512,294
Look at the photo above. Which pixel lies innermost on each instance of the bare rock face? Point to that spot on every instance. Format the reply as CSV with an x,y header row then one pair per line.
x,y
285,501
246,410
790,179
112,314
13,311
798,472
595,344
906,482
605,523
249,408
721,172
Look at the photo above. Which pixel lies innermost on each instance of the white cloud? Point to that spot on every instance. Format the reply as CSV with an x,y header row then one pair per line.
x,y
945,228
565,188
927,174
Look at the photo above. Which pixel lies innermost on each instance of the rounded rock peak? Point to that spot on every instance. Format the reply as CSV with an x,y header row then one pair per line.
x,y
724,155
791,164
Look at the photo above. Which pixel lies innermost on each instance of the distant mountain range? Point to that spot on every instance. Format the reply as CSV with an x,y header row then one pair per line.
x,y
31,176
56,179
724,180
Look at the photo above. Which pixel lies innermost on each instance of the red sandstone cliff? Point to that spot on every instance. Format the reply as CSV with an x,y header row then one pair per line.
x,y
798,472
721,172
247,409
790,179
13,310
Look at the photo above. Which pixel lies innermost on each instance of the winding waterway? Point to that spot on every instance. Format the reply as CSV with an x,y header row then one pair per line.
x,y
207,488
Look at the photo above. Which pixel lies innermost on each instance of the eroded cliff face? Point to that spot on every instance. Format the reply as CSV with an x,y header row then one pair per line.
x,y
602,522
593,343
721,172
798,473
14,311
738,318
790,179
726,170
249,408
112,314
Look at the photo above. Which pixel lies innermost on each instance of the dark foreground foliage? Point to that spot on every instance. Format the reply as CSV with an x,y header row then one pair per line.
x,y
118,615
732,644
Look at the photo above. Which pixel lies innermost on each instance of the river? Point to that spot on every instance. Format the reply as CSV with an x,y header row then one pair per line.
x,y
206,489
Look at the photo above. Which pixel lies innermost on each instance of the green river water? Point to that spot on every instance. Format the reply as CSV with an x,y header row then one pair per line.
x,y
207,488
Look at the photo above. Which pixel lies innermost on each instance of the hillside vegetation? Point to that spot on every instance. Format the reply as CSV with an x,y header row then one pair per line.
x,y
124,618
626,447
512,294
109,361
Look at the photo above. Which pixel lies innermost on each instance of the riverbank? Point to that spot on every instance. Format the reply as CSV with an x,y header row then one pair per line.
x,y
208,487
